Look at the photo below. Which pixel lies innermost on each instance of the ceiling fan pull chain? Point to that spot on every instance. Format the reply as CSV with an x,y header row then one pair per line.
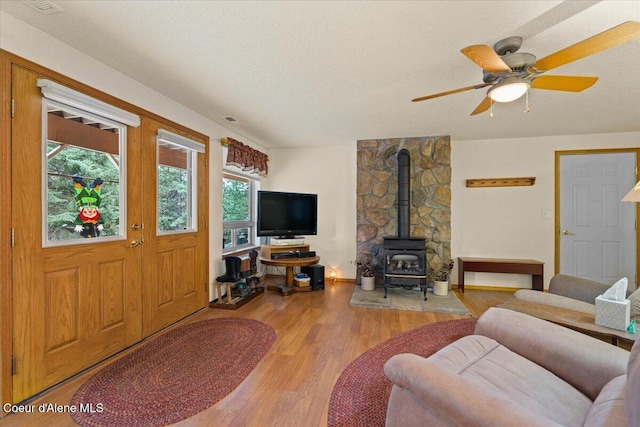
x,y
491,110
526,102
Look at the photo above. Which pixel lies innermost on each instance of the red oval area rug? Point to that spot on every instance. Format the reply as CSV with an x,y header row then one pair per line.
x,y
361,394
175,375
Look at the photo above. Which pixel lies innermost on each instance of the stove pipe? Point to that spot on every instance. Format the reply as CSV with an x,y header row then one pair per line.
x,y
404,184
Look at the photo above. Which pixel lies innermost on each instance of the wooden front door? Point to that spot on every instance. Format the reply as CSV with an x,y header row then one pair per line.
x,y
76,301
84,289
176,246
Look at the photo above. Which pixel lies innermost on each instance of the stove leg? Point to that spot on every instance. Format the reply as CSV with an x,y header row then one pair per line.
x,y
385,290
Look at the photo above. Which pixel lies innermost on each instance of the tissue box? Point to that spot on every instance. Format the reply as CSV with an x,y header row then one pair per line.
x,y
613,314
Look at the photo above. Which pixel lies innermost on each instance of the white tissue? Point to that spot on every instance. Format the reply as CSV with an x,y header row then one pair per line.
x,y
617,292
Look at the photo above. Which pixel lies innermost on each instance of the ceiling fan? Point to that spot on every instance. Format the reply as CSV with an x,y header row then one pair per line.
x,y
510,74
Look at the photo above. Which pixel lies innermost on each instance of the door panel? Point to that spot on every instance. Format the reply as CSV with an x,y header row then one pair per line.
x,y
175,271
74,303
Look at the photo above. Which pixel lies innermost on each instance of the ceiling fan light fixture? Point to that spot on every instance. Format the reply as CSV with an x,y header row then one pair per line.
x,y
508,90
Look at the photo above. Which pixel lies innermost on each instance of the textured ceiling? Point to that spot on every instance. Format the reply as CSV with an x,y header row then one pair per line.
x,y
324,73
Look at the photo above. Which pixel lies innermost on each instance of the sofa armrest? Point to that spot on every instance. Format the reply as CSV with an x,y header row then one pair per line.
x,y
583,361
447,397
577,288
555,300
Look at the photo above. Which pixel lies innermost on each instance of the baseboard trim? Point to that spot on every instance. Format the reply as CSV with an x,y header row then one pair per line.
x,y
339,280
491,288
326,279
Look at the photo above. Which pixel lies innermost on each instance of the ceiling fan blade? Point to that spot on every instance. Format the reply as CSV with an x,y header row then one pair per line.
x,y
486,58
615,36
482,107
449,92
565,83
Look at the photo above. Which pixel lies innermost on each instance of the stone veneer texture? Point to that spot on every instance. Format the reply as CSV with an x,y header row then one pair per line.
x,y
377,188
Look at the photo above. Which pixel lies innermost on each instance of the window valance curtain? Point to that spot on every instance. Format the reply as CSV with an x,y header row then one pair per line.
x,y
245,157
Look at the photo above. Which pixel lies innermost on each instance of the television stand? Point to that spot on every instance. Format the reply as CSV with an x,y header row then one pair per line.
x,y
267,250
287,287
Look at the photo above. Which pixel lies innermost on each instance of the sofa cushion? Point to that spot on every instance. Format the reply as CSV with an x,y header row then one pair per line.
x,y
555,300
632,392
586,363
635,305
423,394
491,366
608,408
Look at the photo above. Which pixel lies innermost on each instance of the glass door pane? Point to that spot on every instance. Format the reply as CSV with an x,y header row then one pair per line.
x,y
83,195
177,175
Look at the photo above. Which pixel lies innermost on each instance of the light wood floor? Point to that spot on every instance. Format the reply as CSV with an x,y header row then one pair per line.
x,y
318,335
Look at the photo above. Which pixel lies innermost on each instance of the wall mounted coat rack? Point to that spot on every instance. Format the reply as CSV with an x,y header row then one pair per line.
x,y
501,182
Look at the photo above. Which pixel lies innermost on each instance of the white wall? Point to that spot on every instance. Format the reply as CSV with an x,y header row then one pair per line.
x,y
32,44
507,222
329,172
501,222
492,222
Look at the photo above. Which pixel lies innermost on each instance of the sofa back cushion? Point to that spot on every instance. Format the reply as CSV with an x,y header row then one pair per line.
x,y
635,305
632,408
576,287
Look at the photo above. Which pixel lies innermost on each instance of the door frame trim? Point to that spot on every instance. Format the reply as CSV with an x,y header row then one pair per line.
x,y
561,153
6,325
7,61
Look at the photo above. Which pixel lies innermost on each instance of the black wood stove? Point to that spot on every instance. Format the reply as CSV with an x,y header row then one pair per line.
x,y
405,257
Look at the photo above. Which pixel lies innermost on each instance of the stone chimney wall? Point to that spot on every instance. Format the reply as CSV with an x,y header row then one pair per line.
x,y
377,187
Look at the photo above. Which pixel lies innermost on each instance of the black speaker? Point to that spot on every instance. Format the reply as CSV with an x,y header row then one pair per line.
x,y
316,274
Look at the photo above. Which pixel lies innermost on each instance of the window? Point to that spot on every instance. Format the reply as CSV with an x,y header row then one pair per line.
x,y
177,193
238,194
84,167
84,173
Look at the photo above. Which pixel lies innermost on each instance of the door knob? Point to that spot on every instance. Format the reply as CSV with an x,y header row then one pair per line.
x,y
567,233
135,243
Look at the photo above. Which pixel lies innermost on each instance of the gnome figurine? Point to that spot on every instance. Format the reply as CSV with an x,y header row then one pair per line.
x,y
88,222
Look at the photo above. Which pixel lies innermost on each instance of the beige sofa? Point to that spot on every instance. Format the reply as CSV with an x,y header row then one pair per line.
x,y
517,370
575,293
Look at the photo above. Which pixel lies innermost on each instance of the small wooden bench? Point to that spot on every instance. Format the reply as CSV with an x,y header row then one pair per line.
x,y
227,286
501,265
233,303
230,302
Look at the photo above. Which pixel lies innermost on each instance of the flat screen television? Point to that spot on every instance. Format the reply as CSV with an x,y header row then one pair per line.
x,y
287,215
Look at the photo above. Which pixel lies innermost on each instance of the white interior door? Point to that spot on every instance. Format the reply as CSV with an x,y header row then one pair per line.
x,y
597,230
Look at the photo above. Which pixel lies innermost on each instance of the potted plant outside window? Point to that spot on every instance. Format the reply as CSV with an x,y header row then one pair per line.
x,y
367,273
